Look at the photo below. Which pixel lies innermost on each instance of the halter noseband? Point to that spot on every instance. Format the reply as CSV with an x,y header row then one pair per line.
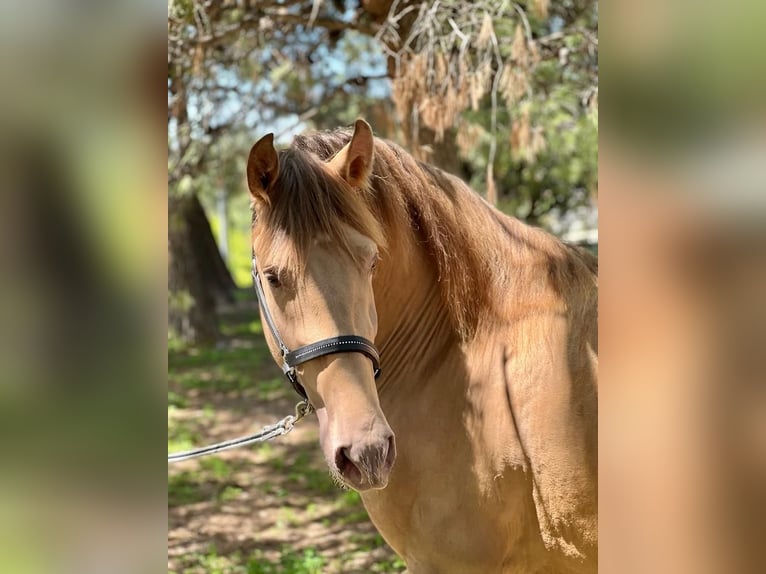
x,y
291,359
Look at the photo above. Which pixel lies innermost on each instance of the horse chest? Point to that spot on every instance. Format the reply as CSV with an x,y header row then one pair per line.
x,y
446,497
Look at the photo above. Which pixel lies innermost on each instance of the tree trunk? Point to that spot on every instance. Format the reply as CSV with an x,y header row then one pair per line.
x,y
221,205
191,305
215,274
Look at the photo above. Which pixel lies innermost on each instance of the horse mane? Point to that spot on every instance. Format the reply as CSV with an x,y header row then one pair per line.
x,y
410,201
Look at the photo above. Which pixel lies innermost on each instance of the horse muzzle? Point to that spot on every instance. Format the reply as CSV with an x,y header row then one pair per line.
x,y
367,464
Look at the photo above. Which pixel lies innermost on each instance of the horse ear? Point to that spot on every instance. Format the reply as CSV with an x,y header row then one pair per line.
x,y
262,168
354,161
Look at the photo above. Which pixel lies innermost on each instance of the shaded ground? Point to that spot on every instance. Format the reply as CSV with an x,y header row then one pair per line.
x,y
266,509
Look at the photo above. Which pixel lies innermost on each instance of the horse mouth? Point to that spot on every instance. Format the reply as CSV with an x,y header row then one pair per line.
x,y
352,478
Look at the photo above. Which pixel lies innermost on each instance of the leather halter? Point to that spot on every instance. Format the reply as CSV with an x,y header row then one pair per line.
x,y
291,359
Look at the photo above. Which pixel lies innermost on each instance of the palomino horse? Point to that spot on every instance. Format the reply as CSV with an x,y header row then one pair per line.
x,y
487,336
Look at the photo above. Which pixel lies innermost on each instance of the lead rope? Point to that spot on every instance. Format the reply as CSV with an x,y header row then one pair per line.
x,y
266,433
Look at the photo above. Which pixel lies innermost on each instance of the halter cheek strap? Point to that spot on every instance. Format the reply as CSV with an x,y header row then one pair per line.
x,y
291,359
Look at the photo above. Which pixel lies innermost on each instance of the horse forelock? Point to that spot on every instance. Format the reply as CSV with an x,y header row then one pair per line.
x,y
308,201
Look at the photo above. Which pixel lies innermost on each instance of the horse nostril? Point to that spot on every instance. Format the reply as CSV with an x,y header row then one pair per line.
x,y
391,453
342,459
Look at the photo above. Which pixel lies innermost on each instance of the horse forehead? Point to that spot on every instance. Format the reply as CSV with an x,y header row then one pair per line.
x,y
358,241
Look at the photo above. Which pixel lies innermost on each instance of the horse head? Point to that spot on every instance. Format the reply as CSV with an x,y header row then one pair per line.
x,y
316,244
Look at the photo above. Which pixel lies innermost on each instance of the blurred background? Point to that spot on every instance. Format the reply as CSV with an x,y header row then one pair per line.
x,y
682,312
82,295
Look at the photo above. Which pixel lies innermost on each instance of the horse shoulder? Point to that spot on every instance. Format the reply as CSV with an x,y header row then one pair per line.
x,y
551,387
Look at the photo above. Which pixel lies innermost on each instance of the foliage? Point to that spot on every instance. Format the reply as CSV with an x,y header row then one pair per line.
x,y
562,175
233,68
515,83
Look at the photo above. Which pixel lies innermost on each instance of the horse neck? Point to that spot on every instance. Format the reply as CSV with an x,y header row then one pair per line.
x,y
414,325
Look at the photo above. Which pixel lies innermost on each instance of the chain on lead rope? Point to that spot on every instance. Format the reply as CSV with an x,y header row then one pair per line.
x,y
268,432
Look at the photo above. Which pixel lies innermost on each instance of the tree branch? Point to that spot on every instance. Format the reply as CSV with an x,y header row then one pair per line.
x,y
250,23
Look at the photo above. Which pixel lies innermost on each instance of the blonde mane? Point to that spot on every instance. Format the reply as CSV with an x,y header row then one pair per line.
x,y
480,256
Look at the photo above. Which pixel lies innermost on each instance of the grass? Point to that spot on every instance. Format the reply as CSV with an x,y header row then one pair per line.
x,y
305,471
184,488
290,561
181,435
389,566
267,510
220,469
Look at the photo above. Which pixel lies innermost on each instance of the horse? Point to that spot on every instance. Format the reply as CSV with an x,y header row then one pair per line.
x,y
475,450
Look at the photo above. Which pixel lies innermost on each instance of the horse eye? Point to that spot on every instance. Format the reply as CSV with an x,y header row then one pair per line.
x,y
273,280
374,263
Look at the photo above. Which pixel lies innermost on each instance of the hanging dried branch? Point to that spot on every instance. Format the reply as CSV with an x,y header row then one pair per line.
x,y
447,58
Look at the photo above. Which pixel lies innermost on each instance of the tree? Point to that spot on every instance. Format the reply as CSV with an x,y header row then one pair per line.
x,y
504,93
517,78
233,65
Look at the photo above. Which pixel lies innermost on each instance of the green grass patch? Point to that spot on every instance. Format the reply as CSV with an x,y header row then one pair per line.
x,y
318,481
230,493
181,436
389,566
303,471
185,488
265,450
350,499
272,389
288,517
213,563
243,329
245,356
218,468
290,561
176,400
353,517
